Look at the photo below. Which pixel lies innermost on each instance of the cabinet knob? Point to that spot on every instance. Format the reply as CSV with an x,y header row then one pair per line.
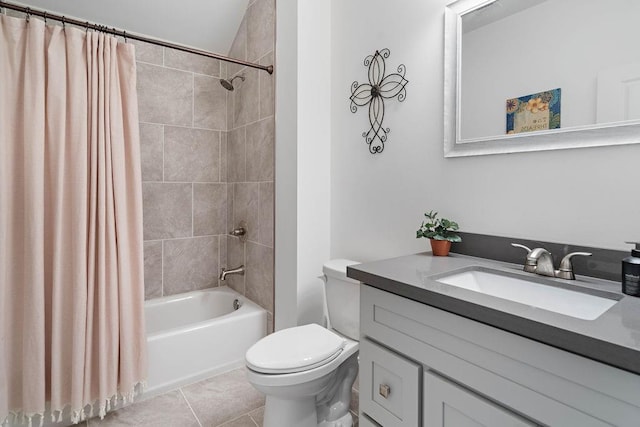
x,y
384,390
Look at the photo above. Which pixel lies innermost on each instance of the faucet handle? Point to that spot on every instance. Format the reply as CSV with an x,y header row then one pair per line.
x,y
240,231
518,245
566,266
529,265
237,232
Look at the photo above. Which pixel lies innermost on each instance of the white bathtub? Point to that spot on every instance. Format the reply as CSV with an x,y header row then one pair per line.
x,y
198,334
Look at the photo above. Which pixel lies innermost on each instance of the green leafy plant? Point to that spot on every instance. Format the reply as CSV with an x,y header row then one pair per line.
x,y
438,228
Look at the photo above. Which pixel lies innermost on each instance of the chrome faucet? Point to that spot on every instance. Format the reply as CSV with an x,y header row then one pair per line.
x,y
540,261
224,272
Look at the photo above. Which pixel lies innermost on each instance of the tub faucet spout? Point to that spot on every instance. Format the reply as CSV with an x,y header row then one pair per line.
x,y
224,272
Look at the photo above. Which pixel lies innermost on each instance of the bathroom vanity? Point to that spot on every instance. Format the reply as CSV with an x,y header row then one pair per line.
x,y
437,354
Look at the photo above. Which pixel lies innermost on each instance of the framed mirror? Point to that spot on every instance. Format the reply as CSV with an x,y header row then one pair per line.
x,y
532,75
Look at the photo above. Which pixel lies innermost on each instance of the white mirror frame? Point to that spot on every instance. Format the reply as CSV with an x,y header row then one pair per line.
x,y
618,133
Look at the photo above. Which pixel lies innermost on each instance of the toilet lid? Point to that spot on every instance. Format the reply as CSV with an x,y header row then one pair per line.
x,y
295,350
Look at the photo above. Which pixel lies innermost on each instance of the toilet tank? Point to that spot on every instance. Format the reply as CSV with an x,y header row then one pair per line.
x,y
343,298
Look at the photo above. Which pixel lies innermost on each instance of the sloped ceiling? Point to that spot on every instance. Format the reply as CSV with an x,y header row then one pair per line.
x,y
205,24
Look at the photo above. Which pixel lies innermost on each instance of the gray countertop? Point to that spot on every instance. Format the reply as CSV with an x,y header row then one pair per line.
x,y
613,338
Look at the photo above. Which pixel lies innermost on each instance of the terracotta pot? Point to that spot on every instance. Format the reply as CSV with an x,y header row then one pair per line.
x,y
440,247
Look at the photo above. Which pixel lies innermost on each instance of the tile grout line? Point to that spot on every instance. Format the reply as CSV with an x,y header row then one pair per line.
x,y
191,182
184,126
168,67
259,232
190,408
270,117
251,418
259,95
244,129
162,244
162,268
226,423
193,100
168,239
163,131
244,277
192,206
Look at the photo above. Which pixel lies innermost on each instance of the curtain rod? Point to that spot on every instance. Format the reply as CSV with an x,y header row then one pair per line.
x,y
91,26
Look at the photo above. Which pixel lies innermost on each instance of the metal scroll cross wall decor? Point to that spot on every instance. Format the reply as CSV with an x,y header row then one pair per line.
x,y
379,88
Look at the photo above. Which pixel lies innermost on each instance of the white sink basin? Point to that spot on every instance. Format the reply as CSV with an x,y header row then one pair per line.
x,y
559,300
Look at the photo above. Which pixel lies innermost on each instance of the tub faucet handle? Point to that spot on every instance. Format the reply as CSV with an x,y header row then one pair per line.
x,y
240,231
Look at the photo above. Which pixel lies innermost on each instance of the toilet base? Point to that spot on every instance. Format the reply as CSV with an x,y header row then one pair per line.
x,y
300,413
345,421
326,398
287,412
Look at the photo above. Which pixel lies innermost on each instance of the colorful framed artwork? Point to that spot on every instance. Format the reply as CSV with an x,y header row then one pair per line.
x,y
530,113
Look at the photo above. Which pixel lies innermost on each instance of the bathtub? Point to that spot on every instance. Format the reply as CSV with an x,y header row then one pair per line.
x,y
198,334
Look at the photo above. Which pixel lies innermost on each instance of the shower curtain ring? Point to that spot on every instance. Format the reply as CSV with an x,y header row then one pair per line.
x,y
125,37
64,24
45,17
28,17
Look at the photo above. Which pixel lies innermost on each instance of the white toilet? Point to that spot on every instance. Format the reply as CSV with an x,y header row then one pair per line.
x,y
307,372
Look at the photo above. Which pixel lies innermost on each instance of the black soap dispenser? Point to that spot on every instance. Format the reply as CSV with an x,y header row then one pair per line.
x,y
631,272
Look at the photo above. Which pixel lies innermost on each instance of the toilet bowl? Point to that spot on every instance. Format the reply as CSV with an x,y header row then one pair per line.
x,y
306,372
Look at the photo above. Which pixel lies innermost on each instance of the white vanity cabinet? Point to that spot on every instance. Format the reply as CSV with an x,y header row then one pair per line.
x,y
421,366
451,405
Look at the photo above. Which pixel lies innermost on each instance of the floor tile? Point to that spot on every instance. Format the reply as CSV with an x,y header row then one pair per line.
x,y
167,410
258,416
243,421
222,398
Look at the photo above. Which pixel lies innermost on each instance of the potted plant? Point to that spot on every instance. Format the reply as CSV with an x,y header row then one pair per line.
x,y
440,232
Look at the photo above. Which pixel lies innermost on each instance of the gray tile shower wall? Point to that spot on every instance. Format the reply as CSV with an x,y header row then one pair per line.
x,y
251,156
183,116
208,159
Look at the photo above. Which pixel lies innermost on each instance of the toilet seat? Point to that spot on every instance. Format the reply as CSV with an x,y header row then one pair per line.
x,y
297,349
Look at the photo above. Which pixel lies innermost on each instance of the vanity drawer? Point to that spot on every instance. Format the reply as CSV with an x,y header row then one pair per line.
x,y
390,386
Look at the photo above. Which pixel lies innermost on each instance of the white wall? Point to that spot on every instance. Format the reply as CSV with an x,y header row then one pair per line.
x,y
377,202
314,150
286,184
573,196
303,124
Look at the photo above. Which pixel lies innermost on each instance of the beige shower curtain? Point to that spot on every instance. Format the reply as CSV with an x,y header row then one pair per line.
x,y
71,263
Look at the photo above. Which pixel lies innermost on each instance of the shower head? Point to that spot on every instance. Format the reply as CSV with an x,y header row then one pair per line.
x,y
228,84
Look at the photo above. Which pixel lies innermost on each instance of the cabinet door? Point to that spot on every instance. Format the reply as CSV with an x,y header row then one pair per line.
x,y
389,386
365,421
447,404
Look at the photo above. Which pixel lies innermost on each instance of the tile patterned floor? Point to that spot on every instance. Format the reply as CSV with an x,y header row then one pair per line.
x,y
226,400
